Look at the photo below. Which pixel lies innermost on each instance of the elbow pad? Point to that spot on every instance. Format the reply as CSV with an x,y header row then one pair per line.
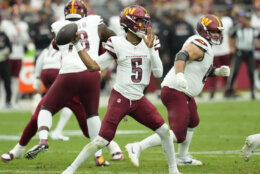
x,y
182,55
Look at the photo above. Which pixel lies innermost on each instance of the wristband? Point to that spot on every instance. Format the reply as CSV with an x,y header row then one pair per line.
x,y
78,46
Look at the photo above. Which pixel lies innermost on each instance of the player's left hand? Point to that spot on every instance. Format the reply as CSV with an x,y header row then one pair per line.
x,y
149,38
222,71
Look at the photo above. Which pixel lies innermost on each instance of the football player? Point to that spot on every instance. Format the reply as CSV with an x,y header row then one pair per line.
x,y
49,62
251,144
74,80
17,31
186,79
46,70
137,56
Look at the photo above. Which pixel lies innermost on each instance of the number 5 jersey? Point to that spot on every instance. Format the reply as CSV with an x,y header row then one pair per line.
x,y
134,65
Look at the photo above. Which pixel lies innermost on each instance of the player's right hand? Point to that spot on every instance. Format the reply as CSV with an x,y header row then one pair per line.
x,y
76,38
181,81
37,84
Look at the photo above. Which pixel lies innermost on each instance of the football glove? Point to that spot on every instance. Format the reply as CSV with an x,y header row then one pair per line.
x,y
222,71
181,81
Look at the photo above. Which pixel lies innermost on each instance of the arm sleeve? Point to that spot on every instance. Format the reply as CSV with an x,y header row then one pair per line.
x,y
157,67
39,64
104,60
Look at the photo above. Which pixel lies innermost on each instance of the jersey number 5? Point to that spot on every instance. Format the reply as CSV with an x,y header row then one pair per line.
x,y
83,37
137,70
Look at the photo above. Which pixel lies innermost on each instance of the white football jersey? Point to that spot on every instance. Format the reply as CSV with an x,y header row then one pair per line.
x,y
224,49
18,39
52,59
133,65
49,58
89,38
195,72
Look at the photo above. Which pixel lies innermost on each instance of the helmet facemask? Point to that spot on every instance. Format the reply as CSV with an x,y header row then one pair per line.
x,y
216,37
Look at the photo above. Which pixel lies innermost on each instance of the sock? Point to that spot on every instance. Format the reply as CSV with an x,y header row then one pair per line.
x,y
88,150
154,140
17,150
113,147
183,148
44,120
168,147
151,141
64,118
94,125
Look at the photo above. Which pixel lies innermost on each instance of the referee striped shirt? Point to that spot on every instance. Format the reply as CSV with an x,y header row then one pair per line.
x,y
245,37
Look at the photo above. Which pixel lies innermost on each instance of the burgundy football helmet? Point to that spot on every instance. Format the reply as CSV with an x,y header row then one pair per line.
x,y
75,9
209,24
135,19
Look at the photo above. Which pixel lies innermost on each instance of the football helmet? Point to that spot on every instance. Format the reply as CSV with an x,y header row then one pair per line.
x,y
135,19
209,24
75,9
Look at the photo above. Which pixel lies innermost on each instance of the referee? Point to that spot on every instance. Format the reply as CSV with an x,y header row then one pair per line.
x,y
5,50
243,37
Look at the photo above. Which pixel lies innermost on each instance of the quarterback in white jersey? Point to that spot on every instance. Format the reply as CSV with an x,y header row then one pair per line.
x,y
74,80
136,56
186,79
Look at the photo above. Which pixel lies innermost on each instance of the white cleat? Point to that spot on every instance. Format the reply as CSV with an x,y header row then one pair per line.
x,y
248,149
118,156
69,170
13,154
133,150
188,161
58,136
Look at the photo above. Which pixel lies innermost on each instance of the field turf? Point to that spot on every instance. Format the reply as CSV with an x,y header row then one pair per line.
x,y
216,142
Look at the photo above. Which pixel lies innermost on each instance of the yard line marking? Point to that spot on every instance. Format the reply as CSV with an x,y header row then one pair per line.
x,y
85,172
75,133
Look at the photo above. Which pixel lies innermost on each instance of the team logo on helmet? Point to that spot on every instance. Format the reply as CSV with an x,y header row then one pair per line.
x,y
208,24
135,19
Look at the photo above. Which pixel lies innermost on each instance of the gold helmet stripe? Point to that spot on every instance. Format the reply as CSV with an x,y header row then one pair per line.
x,y
219,22
72,10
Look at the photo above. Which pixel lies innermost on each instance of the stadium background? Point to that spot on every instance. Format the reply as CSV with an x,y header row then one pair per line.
x,y
224,123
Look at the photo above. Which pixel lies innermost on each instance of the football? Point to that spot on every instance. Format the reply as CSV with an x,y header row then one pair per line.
x,y
66,34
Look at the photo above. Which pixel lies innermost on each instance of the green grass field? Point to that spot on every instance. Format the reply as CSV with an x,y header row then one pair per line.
x,y
217,142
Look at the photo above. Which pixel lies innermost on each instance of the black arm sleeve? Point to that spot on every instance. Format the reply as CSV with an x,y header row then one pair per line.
x,y
211,71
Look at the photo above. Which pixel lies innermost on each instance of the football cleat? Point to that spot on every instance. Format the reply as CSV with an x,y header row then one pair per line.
x,y
6,157
133,150
248,149
58,136
188,161
69,170
100,161
117,156
15,153
33,152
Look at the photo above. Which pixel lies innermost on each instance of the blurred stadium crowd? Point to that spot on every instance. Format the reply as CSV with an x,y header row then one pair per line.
x,y
27,25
